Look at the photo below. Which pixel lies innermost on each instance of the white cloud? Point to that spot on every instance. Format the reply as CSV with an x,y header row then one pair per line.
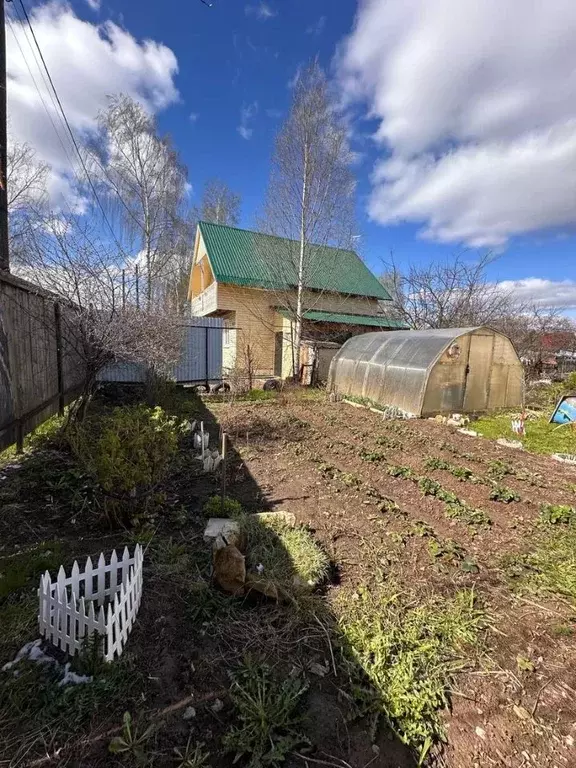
x,y
193,117
559,294
273,113
247,114
476,105
262,11
88,62
94,4
318,27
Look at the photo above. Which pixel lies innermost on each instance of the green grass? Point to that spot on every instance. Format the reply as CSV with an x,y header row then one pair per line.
x,y
290,555
24,569
541,437
268,718
551,567
408,650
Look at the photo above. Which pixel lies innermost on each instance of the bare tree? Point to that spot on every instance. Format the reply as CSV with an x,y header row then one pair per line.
x,y
220,205
144,182
100,323
448,294
27,194
310,200
539,333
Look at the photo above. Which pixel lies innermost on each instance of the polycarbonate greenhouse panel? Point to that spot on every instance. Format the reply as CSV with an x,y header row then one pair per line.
x,y
430,371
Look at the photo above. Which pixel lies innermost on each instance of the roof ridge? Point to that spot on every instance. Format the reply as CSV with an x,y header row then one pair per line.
x,y
276,237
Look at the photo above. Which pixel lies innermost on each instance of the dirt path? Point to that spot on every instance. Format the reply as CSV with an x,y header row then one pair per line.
x,y
327,464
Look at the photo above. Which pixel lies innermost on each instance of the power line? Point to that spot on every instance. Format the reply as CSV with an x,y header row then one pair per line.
x,y
68,127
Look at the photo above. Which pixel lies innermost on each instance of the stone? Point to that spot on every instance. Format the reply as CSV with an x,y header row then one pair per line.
x,y
189,713
218,706
288,518
230,569
221,531
263,586
510,443
469,432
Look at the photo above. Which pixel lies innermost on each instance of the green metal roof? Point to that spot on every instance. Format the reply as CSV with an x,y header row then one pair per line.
x,y
346,319
254,259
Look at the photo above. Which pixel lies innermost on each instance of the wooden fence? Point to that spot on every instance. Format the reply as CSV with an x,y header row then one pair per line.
x,y
67,613
41,369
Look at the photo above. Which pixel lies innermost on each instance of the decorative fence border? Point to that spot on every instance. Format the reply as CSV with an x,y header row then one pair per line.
x,y
67,612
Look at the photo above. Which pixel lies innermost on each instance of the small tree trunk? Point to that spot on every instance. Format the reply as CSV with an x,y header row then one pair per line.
x,y
300,287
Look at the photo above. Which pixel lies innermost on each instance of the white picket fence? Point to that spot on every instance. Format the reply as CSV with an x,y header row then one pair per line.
x,y
67,612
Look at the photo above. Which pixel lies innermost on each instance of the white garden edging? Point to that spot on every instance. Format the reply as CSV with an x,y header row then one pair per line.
x,y
67,611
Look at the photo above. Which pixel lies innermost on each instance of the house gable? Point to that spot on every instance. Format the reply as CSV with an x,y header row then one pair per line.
x,y
256,260
201,274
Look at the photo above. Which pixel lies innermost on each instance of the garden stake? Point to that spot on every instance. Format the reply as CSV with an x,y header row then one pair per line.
x,y
224,459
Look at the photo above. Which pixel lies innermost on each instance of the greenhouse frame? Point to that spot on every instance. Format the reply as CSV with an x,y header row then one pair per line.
x,y
429,372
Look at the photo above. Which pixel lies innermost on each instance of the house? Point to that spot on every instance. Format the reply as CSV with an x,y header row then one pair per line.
x,y
250,278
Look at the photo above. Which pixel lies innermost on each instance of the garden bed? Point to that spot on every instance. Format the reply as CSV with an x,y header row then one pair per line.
x,y
425,604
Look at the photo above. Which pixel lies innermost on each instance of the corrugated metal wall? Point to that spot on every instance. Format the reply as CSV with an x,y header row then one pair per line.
x,y
201,358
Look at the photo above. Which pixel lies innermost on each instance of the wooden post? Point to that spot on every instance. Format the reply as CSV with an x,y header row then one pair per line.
x,y
59,368
4,257
206,348
224,462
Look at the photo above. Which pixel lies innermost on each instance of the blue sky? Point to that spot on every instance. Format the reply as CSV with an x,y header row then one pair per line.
x,y
474,145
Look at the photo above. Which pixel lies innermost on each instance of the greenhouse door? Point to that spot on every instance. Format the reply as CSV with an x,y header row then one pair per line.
x,y
478,373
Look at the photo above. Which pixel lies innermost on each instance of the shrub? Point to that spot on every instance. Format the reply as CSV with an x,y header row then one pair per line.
x,y
570,382
129,453
213,507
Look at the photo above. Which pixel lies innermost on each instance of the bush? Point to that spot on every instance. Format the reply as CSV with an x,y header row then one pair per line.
x,y
129,453
570,382
213,507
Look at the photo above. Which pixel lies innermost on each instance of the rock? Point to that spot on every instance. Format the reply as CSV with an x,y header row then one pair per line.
x,y
510,443
469,432
567,458
218,705
480,732
230,569
288,518
221,531
263,586
520,712
189,713
319,669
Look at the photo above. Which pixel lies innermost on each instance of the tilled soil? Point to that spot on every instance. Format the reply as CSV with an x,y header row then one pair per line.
x,y
306,457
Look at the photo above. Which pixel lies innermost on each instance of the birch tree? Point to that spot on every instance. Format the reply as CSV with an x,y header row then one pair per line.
x,y
27,195
310,199
220,205
144,182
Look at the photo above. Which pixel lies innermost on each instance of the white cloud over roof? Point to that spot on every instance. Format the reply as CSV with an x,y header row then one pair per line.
x,y
476,103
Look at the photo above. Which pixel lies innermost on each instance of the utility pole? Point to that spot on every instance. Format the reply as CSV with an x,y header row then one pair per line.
x,y
4,256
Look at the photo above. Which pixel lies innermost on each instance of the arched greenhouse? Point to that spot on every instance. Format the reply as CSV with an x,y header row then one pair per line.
x,y
443,370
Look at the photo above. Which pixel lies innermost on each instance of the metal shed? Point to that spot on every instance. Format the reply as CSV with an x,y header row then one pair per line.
x,y
443,370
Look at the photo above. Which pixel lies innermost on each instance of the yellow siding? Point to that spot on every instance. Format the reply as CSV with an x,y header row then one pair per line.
x,y
252,313
256,322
